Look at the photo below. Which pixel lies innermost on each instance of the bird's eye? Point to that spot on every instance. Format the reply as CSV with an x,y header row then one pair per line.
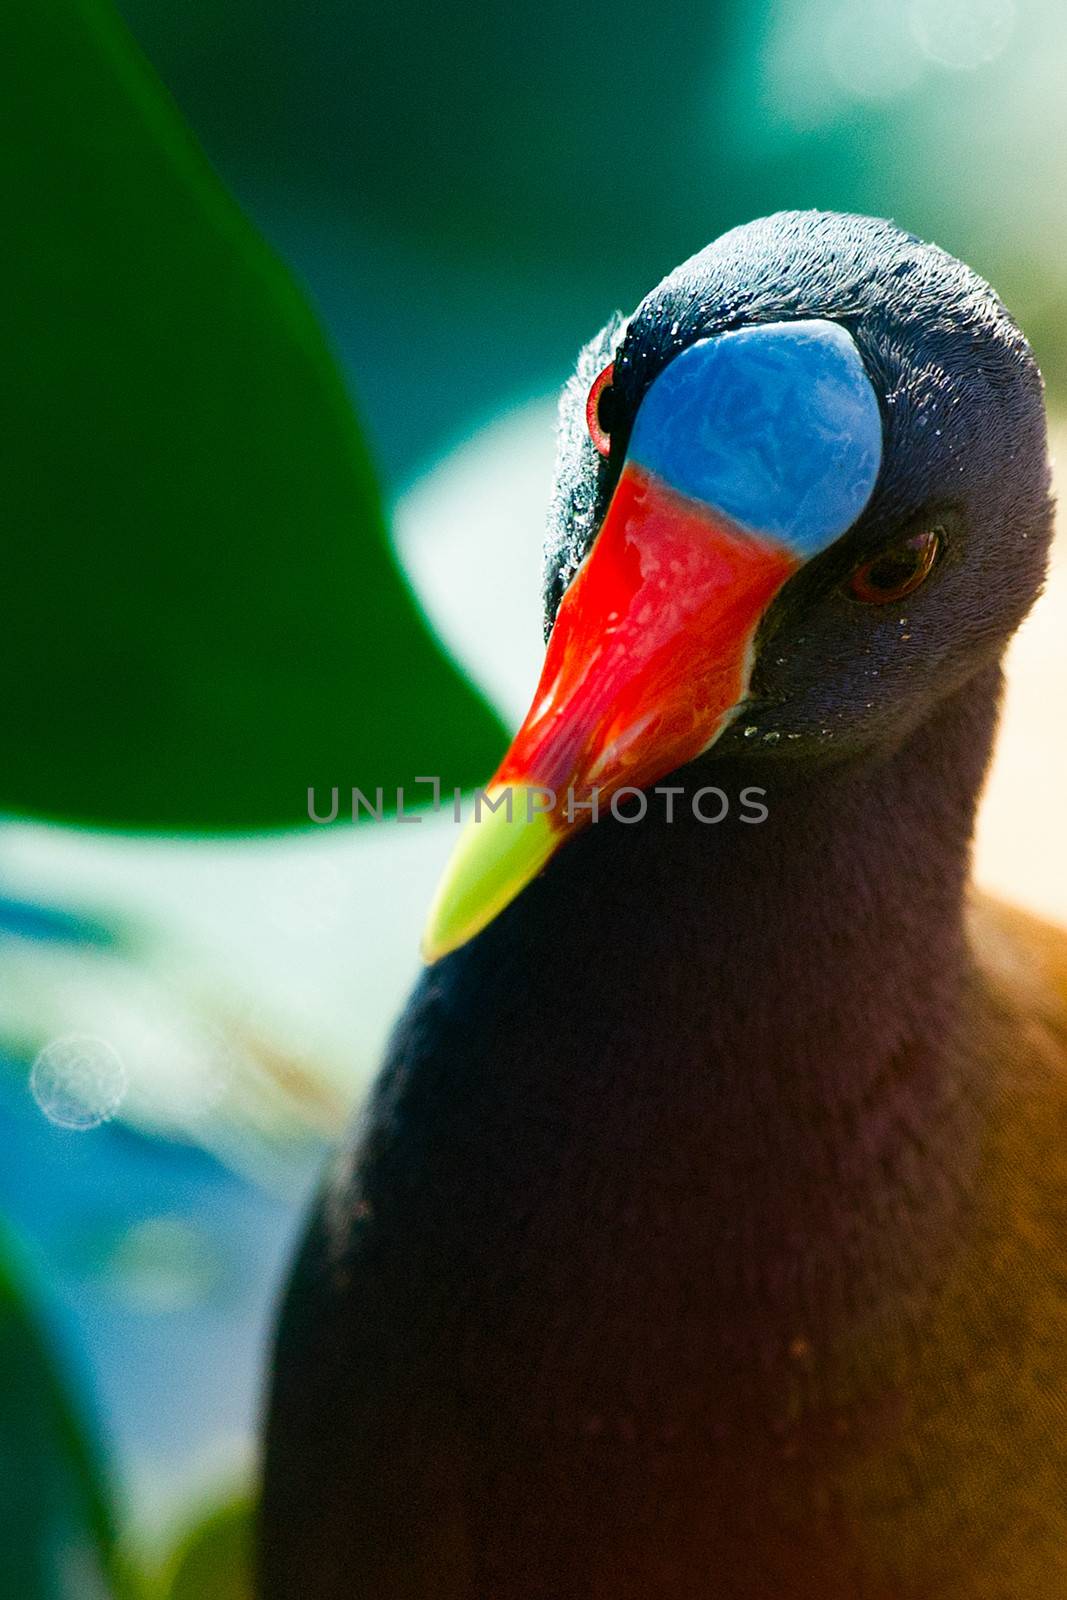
x,y
898,570
598,410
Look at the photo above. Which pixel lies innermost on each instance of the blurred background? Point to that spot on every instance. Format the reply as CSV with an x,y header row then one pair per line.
x,y
191,1006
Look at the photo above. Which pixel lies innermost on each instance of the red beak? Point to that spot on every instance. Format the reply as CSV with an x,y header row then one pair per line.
x,y
648,661
649,656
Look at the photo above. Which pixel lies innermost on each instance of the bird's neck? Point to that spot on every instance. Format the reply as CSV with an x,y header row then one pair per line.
x,y
769,1022
838,921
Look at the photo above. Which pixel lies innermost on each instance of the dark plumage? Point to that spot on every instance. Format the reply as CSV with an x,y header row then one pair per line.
x,y
704,1236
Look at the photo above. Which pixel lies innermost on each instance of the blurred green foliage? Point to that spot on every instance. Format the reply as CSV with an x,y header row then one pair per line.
x,y
58,1536
202,616
214,1559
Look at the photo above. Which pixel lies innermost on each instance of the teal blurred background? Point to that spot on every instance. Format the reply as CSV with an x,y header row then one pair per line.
x,y
466,191
188,1017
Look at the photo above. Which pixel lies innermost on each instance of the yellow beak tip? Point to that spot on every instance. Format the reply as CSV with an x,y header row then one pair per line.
x,y
435,943
497,854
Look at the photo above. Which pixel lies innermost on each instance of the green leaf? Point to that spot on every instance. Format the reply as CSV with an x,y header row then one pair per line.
x,y
56,1532
202,616
214,1559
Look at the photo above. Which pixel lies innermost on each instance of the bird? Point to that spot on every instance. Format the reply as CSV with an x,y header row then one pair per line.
x,y
703,1235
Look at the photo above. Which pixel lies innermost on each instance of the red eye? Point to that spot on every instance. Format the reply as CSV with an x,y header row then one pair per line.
x,y
898,570
598,409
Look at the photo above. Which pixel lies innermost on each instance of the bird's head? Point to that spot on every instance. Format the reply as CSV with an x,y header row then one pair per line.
x,y
802,496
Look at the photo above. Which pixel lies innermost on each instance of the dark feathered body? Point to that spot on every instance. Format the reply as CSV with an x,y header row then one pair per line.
x,y
704,1237
640,1288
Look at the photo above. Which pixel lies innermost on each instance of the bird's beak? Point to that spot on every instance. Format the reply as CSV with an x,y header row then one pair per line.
x,y
647,662
774,427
